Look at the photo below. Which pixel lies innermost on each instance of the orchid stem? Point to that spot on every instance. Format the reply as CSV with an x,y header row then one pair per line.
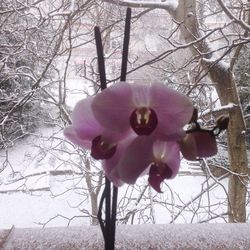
x,y
113,217
100,56
125,45
108,242
108,226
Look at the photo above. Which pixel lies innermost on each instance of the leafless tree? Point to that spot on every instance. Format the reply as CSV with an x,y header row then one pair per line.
x,y
48,52
197,37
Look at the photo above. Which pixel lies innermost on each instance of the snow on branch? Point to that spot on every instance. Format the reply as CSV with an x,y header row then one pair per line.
x,y
179,236
222,65
220,109
170,5
243,24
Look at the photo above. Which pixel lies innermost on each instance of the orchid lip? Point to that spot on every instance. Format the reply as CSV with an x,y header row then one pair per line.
x,y
163,170
102,150
143,121
158,172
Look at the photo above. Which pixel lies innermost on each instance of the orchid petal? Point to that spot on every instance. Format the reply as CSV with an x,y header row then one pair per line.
x,y
136,159
110,165
111,171
84,122
115,178
71,134
166,163
172,157
113,106
163,134
140,95
173,109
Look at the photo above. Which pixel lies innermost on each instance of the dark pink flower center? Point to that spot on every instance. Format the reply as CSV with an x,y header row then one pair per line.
x,y
102,150
157,173
143,121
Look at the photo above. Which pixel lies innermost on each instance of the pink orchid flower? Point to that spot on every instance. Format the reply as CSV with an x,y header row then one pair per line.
x,y
144,155
135,128
86,132
146,109
137,156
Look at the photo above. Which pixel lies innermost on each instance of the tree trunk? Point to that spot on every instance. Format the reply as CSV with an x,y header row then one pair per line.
x,y
93,191
227,92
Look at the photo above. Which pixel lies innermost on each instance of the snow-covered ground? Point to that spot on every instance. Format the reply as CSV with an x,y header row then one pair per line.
x,y
25,210
42,183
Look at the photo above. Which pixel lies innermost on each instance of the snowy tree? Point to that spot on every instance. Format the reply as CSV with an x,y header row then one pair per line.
x,y
213,64
243,84
28,43
172,41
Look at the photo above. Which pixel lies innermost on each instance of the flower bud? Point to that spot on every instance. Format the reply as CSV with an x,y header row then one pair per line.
x,y
222,122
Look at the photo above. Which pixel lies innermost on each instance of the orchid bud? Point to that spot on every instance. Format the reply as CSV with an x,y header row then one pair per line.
x,y
222,122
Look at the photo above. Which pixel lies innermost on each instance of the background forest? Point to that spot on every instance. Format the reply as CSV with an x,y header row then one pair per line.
x,y
48,62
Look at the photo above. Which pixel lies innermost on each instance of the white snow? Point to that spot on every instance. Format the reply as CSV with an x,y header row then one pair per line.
x,y
25,210
185,199
229,106
141,237
173,4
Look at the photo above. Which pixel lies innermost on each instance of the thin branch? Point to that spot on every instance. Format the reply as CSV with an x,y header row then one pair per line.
x,y
243,25
167,5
